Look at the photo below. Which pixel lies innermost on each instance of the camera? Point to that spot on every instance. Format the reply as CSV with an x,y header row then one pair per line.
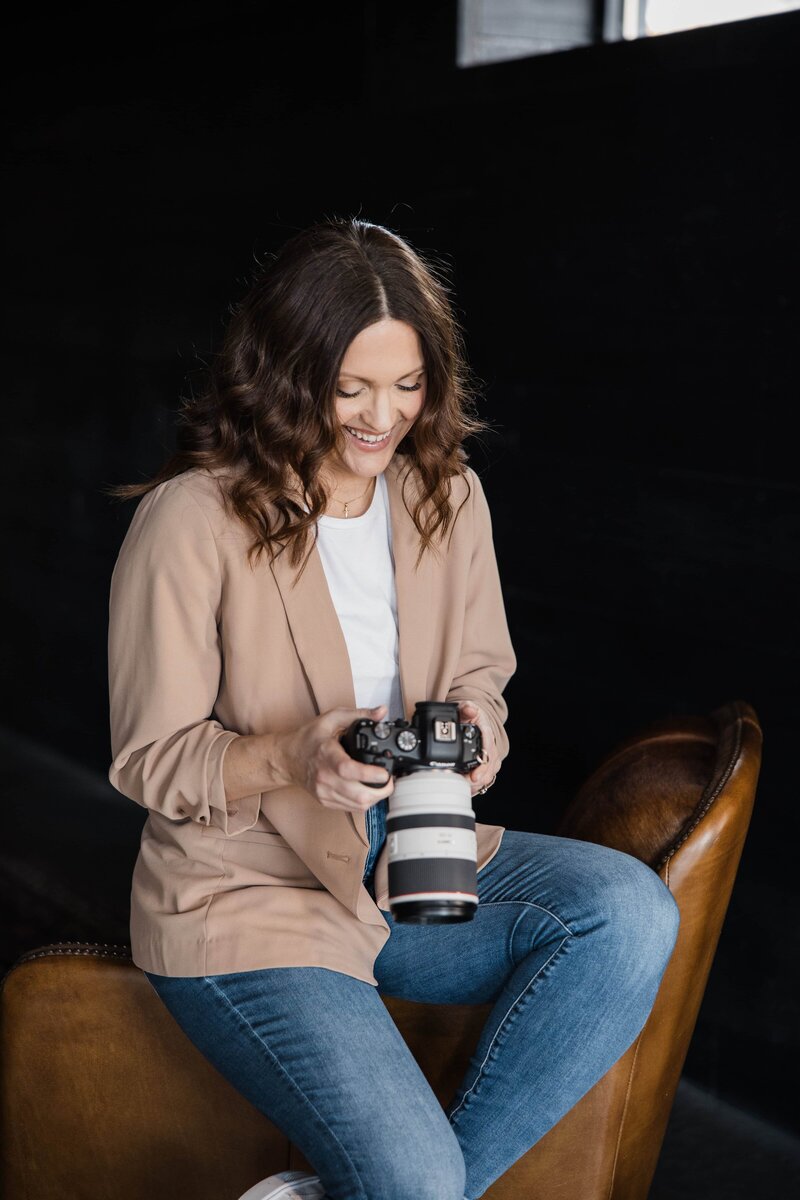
x,y
430,823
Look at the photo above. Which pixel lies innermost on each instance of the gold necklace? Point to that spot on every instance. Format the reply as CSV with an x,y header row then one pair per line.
x,y
348,502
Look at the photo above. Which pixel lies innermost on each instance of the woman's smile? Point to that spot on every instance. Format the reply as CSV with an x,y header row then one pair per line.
x,y
369,443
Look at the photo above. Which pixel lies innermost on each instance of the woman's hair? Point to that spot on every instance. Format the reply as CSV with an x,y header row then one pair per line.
x,y
268,408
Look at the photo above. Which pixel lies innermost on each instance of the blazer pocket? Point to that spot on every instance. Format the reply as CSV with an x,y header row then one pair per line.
x,y
250,835
259,857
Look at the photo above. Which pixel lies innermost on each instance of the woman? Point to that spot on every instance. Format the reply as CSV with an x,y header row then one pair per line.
x,y
240,649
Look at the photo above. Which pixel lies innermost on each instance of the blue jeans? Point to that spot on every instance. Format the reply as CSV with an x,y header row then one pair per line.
x,y
568,944
376,832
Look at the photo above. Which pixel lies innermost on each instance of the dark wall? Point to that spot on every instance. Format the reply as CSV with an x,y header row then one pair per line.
x,y
622,225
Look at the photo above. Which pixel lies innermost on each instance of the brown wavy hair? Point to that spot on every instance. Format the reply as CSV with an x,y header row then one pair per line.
x,y
266,413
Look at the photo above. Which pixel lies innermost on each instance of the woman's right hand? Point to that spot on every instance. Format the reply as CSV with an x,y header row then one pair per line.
x,y
315,759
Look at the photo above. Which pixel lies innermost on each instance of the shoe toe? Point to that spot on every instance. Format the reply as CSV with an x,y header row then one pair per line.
x,y
286,1185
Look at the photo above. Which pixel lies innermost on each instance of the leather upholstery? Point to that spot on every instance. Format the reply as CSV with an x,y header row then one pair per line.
x,y
104,1098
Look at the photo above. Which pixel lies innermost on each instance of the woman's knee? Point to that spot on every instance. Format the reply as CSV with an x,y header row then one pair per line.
x,y
639,911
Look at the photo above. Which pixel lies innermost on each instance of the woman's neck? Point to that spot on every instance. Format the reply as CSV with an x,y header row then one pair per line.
x,y
345,500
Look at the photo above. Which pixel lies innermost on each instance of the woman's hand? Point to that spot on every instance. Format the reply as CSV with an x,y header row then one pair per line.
x,y
315,759
484,775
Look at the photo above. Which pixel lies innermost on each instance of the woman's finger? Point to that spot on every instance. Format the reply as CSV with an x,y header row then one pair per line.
x,y
481,720
486,772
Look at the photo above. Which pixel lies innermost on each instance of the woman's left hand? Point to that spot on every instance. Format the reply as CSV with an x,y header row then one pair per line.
x,y
483,775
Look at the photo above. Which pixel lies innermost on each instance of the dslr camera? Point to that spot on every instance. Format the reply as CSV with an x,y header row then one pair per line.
x,y
430,823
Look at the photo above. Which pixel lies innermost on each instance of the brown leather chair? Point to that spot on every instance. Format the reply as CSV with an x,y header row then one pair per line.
x,y
104,1097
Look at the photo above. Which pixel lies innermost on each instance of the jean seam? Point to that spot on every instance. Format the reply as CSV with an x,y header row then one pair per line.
x,y
531,904
502,1023
306,1100
512,935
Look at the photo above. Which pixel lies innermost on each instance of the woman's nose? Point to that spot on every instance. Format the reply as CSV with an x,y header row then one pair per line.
x,y
382,413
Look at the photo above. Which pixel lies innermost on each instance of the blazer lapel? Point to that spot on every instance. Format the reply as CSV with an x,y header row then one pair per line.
x,y
317,632
414,591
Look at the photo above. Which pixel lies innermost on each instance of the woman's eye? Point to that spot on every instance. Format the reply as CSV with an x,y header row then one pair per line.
x,y
351,395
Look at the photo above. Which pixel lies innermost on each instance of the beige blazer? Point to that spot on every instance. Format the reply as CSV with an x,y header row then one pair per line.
x,y
202,649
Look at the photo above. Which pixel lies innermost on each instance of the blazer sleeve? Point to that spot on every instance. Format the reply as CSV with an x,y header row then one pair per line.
x,y
487,660
165,665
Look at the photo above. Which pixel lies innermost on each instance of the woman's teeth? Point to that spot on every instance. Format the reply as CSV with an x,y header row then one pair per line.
x,y
370,438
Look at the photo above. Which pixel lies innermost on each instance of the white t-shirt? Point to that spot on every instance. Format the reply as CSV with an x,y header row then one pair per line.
x,y
356,554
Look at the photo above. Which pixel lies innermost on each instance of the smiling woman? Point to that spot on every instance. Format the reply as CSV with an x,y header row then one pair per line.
x,y
346,325
263,904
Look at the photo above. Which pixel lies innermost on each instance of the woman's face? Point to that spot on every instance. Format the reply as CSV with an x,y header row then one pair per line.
x,y
380,390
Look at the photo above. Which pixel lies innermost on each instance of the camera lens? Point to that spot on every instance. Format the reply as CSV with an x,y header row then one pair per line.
x,y
432,849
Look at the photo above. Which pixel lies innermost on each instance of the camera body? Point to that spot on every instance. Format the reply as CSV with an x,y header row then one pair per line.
x,y
430,823
433,739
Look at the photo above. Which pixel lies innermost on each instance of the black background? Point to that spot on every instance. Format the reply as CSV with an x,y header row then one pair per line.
x,y
621,223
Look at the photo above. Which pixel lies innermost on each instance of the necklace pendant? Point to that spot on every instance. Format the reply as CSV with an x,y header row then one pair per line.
x,y
346,513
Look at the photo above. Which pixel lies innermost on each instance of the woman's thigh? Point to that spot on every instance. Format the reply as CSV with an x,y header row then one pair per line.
x,y
317,1052
537,891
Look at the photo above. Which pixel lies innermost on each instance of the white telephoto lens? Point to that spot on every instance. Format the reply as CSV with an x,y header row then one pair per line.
x,y
432,848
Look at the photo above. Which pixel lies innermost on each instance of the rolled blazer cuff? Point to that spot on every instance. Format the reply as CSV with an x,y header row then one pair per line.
x,y
162,776
243,812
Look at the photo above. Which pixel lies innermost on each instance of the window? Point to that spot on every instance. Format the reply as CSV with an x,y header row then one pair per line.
x,y
498,30
646,18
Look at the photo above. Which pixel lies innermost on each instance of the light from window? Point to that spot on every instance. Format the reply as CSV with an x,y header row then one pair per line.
x,y
491,31
647,18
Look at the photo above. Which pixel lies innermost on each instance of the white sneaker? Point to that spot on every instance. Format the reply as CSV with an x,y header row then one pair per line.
x,y
287,1185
